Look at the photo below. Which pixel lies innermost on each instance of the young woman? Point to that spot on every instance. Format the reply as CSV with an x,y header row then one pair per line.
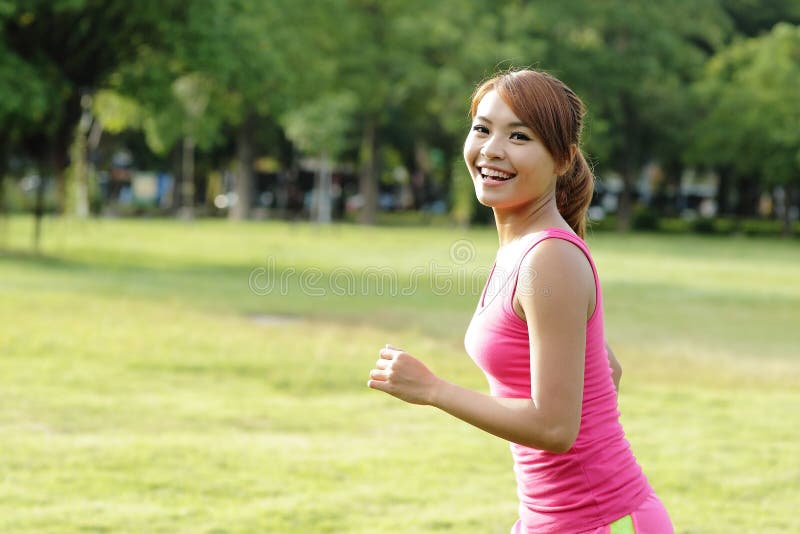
x,y
537,332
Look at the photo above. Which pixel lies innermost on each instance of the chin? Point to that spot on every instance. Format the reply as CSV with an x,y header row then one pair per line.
x,y
485,200
490,200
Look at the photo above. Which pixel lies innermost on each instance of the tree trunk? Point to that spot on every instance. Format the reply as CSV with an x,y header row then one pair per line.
x,y
243,179
54,161
38,209
665,199
746,201
3,165
38,213
421,174
724,191
92,142
59,161
368,179
625,203
59,145
187,179
447,183
288,196
751,195
79,169
787,228
323,190
631,163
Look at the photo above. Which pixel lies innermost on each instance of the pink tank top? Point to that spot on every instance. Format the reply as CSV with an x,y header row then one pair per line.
x,y
598,480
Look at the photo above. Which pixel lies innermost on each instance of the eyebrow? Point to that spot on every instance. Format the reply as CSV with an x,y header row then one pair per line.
x,y
512,124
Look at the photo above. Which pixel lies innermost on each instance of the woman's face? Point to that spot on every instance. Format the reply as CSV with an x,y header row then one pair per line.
x,y
510,167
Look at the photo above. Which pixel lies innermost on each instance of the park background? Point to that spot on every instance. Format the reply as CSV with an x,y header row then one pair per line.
x,y
213,214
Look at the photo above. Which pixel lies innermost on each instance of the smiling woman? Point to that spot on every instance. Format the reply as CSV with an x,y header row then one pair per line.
x,y
537,332
532,120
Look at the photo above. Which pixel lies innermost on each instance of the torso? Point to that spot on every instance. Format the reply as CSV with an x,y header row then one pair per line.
x,y
598,480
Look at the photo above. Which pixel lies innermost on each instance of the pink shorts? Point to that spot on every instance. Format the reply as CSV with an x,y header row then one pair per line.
x,y
649,518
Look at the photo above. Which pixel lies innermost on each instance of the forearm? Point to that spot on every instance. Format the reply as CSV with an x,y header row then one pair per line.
x,y
514,419
552,427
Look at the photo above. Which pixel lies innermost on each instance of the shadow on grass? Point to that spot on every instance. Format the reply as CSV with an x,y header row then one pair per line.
x,y
227,289
40,260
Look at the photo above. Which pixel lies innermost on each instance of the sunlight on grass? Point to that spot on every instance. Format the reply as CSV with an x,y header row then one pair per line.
x,y
140,393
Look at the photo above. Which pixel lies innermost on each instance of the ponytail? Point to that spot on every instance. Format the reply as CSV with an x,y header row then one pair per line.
x,y
574,190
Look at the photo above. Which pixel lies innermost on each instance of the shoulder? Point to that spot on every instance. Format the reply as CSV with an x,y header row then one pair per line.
x,y
555,270
558,258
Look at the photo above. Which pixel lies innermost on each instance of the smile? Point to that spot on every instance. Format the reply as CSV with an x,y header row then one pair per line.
x,y
495,175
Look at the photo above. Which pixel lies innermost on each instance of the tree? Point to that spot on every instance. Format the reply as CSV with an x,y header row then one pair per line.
x,y
751,18
751,112
24,102
266,58
632,63
412,75
322,128
73,46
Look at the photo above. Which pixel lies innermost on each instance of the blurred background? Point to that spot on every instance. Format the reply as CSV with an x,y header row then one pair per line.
x,y
213,213
346,110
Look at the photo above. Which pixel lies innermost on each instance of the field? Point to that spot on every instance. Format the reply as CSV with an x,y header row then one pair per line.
x,y
210,377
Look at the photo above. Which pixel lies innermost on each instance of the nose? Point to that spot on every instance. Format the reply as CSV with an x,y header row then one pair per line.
x,y
492,148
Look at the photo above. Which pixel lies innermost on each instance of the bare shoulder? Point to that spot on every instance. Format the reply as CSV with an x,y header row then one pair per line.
x,y
555,269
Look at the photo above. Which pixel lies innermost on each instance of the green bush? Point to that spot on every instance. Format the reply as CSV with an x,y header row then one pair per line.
x,y
704,225
644,218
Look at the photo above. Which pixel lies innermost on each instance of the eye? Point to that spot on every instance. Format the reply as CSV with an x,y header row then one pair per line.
x,y
480,129
519,136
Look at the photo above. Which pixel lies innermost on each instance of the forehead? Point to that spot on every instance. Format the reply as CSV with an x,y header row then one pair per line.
x,y
494,108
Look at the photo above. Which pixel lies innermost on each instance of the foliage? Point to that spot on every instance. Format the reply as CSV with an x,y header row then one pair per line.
x,y
645,218
69,48
324,125
753,107
397,75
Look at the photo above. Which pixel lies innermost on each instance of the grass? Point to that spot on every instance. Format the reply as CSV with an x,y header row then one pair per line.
x,y
147,387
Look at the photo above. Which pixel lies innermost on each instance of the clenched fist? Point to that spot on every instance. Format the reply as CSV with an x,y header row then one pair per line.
x,y
403,376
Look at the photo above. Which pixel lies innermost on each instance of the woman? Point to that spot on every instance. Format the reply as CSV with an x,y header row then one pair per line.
x,y
537,332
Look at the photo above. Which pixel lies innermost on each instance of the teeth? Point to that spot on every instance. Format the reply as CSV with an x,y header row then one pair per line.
x,y
496,174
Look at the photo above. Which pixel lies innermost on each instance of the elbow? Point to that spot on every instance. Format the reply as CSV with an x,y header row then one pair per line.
x,y
616,373
562,444
557,439
563,433
616,370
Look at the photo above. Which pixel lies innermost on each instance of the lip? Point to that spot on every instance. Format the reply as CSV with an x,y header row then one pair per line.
x,y
491,182
498,169
488,182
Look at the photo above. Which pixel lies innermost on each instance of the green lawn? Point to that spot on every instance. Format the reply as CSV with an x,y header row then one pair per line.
x,y
152,381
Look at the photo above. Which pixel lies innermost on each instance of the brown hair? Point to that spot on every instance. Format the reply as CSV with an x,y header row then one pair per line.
x,y
555,114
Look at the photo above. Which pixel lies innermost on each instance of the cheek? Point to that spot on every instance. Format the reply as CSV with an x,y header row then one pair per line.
x,y
473,144
469,152
467,145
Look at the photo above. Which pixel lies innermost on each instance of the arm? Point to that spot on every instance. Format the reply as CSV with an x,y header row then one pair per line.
x,y
616,368
550,418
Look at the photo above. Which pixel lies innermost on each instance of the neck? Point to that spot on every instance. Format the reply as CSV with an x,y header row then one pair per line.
x,y
517,222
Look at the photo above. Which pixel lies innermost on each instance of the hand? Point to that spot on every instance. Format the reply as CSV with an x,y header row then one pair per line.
x,y
403,376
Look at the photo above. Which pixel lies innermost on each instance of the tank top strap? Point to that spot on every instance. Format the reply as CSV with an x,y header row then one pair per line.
x,y
553,233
